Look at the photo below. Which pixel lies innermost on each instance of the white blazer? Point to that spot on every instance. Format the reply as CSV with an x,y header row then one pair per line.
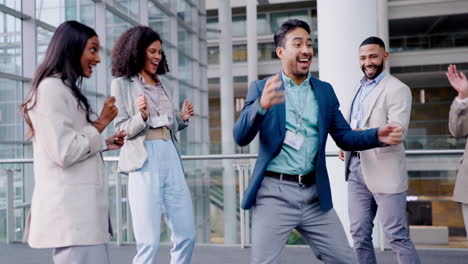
x,y
458,126
384,169
70,202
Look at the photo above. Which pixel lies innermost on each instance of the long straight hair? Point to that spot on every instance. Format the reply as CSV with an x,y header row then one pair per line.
x,y
62,59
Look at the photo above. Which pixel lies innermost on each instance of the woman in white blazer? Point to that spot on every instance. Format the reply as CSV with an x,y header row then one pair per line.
x,y
69,208
458,126
150,155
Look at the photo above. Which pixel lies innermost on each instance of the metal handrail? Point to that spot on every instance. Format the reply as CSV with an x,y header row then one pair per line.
x,y
243,182
254,156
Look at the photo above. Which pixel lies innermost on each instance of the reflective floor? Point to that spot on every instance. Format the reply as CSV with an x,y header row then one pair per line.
x,y
220,254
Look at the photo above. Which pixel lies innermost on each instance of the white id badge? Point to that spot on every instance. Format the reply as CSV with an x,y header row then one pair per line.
x,y
159,121
293,140
353,123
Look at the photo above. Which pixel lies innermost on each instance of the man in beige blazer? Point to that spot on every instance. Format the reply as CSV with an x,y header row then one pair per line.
x,y
377,178
458,126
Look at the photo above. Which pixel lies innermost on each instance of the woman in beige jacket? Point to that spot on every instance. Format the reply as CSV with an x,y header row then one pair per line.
x,y
458,126
150,156
69,208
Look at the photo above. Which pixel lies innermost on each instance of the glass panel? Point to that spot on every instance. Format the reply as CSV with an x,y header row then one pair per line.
x,y
20,213
128,7
239,26
429,118
115,26
239,53
213,55
184,41
11,128
54,12
184,11
159,21
212,23
14,4
262,25
185,69
430,204
10,44
428,32
43,38
429,41
278,18
266,51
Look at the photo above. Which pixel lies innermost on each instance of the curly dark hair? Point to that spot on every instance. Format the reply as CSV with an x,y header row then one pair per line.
x,y
128,54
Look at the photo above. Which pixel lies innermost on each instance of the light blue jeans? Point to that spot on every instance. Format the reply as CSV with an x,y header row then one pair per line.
x,y
160,186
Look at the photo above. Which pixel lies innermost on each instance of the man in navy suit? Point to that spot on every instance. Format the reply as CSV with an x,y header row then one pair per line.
x,y
294,113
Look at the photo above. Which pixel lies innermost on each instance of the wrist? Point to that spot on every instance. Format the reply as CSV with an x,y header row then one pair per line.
x,y
99,125
144,116
261,105
461,95
182,117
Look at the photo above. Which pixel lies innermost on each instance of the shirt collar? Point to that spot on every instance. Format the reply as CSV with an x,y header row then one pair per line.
x,y
143,82
376,81
289,83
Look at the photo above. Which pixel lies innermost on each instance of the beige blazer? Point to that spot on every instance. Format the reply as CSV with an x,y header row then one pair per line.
x,y
384,169
70,202
458,126
133,153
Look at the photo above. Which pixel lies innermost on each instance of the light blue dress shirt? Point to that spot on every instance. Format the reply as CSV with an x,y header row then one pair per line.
x,y
302,98
360,101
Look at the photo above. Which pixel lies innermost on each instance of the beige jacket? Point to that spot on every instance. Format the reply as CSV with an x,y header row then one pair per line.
x,y
384,169
70,201
133,153
458,126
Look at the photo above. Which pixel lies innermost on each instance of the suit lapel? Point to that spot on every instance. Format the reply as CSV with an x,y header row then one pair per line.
x,y
322,106
355,92
282,113
137,89
374,96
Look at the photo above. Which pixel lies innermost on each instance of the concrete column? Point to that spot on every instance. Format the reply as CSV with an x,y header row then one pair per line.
x,y
143,12
382,15
342,26
174,62
29,61
252,50
227,120
101,68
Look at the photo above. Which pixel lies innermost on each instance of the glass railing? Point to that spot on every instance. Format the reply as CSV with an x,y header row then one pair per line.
x,y
428,41
217,184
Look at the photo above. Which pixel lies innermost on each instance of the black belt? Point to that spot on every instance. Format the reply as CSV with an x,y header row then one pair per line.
x,y
302,179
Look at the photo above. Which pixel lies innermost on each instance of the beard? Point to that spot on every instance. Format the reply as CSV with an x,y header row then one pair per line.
x,y
378,71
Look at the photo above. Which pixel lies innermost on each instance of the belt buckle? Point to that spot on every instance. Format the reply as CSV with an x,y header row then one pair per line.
x,y
299,180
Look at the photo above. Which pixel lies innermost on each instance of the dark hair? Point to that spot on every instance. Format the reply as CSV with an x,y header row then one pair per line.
x,y
62,58
129,55
373,40
286,27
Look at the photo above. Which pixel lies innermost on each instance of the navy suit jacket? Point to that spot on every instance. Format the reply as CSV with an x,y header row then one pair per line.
x,y
272,128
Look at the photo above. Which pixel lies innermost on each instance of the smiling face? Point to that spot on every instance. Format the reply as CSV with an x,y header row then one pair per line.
x,y
296,54
153,58
372,60
90,56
